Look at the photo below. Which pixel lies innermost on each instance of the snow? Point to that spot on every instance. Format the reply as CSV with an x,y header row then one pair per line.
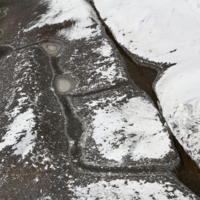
x,y
114,123
20,134
78,11
122,126
167,31
105,50
128,190
154,31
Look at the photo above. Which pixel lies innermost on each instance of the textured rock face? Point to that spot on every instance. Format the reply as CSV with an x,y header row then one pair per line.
x,y
73,124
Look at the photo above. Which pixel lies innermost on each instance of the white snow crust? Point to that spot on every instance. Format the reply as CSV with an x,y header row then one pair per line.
x,y
123,129
120,189
77,10
105,50
165,31
21,126
138,123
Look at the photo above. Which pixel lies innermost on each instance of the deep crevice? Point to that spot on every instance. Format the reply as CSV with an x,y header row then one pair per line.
x,y
187,172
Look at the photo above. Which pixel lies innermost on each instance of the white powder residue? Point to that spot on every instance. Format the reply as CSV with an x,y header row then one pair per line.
x,y
165,31
77,10
133,129
121,189
20,134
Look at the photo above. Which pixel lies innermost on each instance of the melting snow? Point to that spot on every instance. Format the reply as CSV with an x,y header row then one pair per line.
x,y
122,125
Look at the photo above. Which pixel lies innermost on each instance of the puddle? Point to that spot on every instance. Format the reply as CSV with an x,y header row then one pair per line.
x,y
63,84
51,49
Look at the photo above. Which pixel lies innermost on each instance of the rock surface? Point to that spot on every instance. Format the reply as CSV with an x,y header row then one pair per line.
x,y
64,90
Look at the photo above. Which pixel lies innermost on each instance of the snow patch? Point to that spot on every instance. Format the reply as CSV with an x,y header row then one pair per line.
x,y
128,190
20,134
138,123
105,50
77,10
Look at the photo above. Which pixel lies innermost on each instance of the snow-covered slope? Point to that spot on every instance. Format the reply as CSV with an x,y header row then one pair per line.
x,y
169,32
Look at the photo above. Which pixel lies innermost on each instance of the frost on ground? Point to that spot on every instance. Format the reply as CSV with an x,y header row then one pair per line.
x,y
32,140
166,32
122,127
97,67
153,188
